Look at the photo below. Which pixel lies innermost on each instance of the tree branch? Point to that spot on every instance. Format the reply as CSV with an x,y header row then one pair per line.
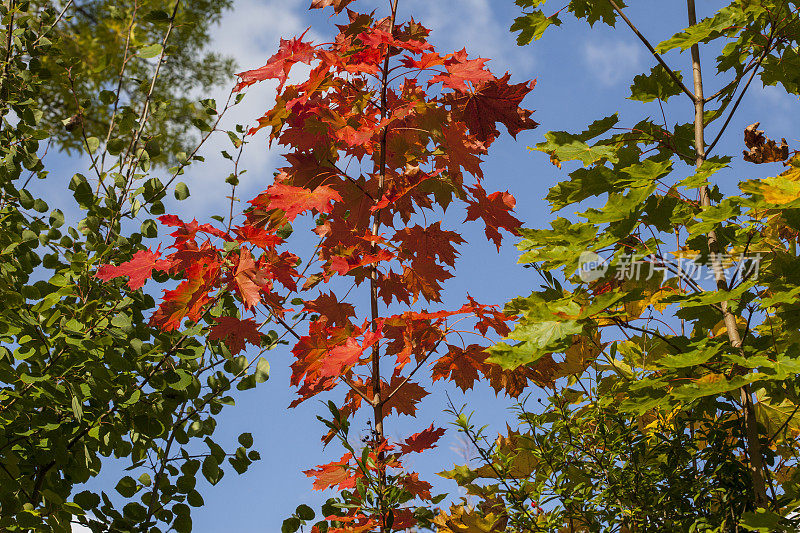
x,y
658,57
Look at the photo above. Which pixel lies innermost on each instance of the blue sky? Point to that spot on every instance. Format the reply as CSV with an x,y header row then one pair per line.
x,y
582,75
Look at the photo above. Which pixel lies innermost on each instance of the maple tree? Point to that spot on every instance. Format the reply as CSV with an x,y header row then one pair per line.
x,y
382,135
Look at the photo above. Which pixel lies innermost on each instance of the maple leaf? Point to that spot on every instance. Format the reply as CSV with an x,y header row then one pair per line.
x,y
461,150
338,5
188,299
290,52
245,279
488,317
513,382
337,313
335,473
295,200
431,242
188,230
461,70
235,332
460,365
495,210
492,102
426,61
349,353
420,489
139,268
405,399
424,440
390,286
257,236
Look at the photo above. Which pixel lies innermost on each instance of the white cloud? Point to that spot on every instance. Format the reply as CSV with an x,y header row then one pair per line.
x,y
612,62
250,33
472,24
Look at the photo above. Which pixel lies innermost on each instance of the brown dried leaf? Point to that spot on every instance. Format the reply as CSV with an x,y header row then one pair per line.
x,y
763,150
338,5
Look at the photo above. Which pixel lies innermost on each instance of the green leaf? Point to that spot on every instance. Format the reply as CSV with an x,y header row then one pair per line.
x,y
707,29
92,144
594,10
658,85
531,26
761,520
211,470
304,512
184,379
563,146
194,499
181,191
547,334
246,439
153,50
290,525
262,370
127,486
157,16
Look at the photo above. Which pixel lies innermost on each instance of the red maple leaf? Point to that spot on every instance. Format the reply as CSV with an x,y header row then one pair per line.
x,y
295,200
492,102
421,441
278,66
257,236
460,365
327,305
405,399
348,354
462,150
246,278
139,268
189,298
488,317
417,487
426,61
495,210
423,277
461,70
432,241
187,231
235,332
338,5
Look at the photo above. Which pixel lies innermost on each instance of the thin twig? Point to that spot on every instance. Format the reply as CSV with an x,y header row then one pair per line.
x,y
658,57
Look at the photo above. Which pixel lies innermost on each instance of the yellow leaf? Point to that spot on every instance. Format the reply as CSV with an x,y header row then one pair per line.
x,y
468,520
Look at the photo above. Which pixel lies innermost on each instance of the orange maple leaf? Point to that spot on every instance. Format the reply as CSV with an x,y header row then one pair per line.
x,y
461,70
335,473
295,200
278,66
